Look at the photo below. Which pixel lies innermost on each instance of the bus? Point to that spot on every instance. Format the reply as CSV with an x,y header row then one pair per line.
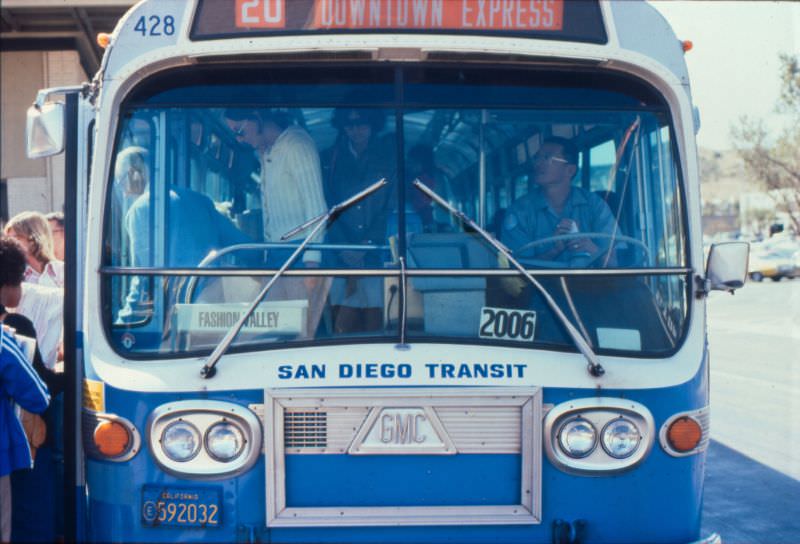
x,y
327,291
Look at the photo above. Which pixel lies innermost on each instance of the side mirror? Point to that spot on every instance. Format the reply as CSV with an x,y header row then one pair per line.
x,y
44,130
726,269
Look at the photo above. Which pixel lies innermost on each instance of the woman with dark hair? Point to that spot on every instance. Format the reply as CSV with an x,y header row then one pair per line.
x,y
358,159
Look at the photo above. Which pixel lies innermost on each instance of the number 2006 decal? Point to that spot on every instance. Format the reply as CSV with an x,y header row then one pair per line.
x,y
507,324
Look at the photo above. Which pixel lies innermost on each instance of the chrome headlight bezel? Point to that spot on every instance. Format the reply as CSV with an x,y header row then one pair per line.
x,y
599,412
607,434
173,427
204,415
574,425
231,427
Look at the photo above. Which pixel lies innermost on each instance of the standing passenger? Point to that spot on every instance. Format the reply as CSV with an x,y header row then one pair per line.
x,y
291,194
358,159
56,220
291,179
42,289
19,385
32,230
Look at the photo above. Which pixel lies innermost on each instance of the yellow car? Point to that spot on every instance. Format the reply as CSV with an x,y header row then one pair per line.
x,y
774,263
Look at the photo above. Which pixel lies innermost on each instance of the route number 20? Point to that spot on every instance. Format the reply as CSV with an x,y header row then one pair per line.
x,y
507,324
260,13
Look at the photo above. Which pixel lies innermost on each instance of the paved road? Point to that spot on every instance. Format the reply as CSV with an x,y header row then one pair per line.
x,y
753,472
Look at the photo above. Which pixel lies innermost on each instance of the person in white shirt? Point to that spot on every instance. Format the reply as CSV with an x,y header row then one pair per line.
x,y
291,176
291,192
44,306
32,231
56,220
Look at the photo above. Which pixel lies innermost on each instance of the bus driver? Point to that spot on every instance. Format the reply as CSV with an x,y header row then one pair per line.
x,y
555,208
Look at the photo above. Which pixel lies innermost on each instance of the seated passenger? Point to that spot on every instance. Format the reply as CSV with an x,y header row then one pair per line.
x,y
554,208
189,212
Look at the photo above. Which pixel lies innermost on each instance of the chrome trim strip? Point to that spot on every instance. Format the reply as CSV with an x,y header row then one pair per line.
x,y
386,272
528,400
599,411
203,414
703,418
133,448
713,538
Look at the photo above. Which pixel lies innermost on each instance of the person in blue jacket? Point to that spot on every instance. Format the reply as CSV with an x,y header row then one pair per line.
x,y
19,384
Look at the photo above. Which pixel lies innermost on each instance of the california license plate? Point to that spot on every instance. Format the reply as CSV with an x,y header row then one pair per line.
x,y
181,506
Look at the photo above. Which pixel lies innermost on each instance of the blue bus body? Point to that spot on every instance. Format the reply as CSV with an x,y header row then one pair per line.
x,y
459,409
658,502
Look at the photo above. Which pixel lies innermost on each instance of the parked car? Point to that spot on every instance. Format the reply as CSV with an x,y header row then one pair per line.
x,y
774,262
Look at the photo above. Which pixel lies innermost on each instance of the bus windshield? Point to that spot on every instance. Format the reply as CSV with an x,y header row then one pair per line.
x,y
576,173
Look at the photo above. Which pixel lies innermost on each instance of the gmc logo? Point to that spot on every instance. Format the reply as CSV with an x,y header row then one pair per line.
x,y
401,429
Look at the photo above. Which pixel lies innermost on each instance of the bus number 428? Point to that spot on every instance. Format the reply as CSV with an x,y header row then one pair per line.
x,y
155,25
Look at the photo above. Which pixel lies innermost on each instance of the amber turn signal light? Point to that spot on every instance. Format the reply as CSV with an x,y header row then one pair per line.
x,y
684,434
103,40
112,438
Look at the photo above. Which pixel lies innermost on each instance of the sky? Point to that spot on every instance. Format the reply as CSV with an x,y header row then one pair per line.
x,y
733,66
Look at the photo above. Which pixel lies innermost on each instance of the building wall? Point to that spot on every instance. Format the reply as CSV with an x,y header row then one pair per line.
x,y
31,184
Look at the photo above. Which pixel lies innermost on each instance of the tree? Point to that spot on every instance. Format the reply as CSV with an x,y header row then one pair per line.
x,y
775,165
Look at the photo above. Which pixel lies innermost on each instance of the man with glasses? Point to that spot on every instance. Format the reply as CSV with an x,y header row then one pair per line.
x,y
291,194
556,208
291,176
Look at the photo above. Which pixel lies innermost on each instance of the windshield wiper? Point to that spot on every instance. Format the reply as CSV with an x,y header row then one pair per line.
x,y
595,368
320,221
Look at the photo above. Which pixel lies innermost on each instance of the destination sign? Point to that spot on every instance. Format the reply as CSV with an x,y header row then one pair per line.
x,y
279,317
577,20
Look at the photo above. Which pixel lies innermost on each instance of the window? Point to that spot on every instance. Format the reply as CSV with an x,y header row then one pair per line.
x,y
216,171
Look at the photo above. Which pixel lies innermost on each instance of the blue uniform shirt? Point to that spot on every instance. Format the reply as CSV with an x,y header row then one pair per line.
x,y
18,384
531,218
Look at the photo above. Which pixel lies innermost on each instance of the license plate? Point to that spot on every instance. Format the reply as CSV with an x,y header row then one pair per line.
x,y
181,506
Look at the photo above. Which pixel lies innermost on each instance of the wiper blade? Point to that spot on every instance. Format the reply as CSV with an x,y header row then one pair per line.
x,y
594,366
208,370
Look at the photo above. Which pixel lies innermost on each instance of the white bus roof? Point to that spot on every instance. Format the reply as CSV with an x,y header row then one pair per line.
x,y
599,31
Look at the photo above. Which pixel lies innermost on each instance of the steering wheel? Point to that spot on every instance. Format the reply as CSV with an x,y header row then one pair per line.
x,y
526,253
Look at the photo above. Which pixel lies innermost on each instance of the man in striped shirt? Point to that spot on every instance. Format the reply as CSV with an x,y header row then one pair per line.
x,y
291,177
291,194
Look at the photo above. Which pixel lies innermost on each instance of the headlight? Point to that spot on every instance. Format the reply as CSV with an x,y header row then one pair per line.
x,y
224,441
621,438
180,441
577,438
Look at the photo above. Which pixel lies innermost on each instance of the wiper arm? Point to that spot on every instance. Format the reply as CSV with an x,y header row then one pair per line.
x,y
595,368
320,221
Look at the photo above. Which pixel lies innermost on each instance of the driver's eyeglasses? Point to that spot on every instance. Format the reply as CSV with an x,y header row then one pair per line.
x,y
548,158
238,132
